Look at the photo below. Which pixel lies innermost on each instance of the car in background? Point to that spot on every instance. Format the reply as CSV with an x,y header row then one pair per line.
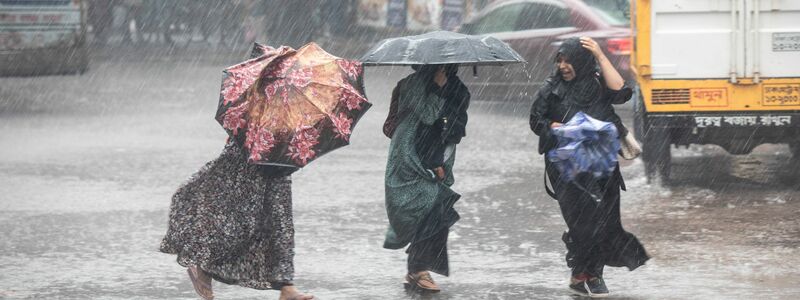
x,y
535,29
39,37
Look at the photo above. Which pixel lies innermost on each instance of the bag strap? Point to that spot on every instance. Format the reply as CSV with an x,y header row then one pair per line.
x,y
547,188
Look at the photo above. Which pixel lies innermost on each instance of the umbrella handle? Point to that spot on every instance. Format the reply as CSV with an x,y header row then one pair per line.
x,y
474,70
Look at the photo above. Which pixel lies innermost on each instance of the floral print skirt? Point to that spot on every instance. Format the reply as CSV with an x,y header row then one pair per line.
x,y
235,222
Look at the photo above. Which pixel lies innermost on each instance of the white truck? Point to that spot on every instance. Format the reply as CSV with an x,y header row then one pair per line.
x,y
724,72
43,37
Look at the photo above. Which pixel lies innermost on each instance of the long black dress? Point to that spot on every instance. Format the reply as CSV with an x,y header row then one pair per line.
x,y
595,237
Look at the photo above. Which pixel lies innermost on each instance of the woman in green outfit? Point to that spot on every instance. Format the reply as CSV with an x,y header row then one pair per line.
x,y
427,119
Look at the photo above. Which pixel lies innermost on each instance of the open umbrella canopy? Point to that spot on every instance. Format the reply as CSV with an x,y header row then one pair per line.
x,y
441,47
585,145
288,107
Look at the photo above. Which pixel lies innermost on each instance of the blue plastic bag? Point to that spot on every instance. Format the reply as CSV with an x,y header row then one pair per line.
x,y
585,145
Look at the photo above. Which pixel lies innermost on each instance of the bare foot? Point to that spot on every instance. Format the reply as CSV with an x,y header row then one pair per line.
x,y
201,282
289,292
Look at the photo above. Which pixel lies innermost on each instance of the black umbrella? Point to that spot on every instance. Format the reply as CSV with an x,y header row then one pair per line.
x,y
441,47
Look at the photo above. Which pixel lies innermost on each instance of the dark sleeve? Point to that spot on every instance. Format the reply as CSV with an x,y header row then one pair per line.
x,y
437,156
619,96
391,120
539,122
621,129
429,146
462,113
459,127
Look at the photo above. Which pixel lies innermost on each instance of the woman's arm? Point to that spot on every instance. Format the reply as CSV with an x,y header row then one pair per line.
x,y
612,78
392,118
538,122
458,127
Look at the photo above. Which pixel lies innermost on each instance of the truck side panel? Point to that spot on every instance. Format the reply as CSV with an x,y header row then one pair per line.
x,y
776,37
694,39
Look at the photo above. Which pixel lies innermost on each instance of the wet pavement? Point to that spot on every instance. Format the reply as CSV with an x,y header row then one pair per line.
x,y
88,164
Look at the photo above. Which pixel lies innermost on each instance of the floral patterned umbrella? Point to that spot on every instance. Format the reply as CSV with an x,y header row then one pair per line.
x,y
288,107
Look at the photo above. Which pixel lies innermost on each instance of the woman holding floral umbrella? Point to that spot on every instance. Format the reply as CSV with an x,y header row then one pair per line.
x,y
232,222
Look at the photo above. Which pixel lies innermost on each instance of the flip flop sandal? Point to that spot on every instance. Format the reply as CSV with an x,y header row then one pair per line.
x,y
414,283
199,285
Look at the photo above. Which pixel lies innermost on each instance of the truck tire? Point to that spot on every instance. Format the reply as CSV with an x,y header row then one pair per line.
x,y
638,114
795,148
83,56
656,154
655,141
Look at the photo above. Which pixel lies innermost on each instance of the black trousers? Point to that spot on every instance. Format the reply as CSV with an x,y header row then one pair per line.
x,y
591,209
430,254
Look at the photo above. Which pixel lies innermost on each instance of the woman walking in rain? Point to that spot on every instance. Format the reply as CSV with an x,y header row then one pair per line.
x,y
590,205
427,119
232,222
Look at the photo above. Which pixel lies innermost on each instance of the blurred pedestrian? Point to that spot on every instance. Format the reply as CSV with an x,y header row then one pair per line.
x,y
589,205
132,10
232,222
337,15
427,119
101,17
291,22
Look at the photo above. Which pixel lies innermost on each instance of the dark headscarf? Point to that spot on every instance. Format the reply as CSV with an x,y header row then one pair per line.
x,y
585,88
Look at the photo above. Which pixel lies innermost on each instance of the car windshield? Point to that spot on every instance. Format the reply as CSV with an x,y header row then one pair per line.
x,y
615,12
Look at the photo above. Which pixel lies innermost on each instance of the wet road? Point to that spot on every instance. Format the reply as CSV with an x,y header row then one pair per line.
x,y
88,165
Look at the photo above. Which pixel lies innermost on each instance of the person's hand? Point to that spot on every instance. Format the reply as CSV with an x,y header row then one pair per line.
x,y
439,173
556,125
591,45
440,78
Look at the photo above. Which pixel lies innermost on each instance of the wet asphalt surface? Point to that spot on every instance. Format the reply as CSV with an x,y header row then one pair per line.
x,y
88,165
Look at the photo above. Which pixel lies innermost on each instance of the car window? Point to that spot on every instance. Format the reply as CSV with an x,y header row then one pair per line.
x,y
615,12
542,16
502,19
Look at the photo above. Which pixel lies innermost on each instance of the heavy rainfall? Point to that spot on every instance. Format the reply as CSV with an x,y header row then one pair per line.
x,y
107,107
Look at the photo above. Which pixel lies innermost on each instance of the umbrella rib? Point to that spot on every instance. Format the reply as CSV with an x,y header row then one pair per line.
x,y
474,51
312,101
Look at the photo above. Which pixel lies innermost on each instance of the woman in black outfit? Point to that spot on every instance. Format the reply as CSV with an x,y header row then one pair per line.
x,y
595,238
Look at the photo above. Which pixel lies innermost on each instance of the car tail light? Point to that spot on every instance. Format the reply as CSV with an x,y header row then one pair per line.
x,y
619,46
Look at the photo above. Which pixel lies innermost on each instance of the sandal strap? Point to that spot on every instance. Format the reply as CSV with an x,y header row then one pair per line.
x,y
193,276
421,277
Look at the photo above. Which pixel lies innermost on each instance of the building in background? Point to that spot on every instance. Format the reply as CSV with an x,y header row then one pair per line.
x,y
416,15
453,14
397,13
372,12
